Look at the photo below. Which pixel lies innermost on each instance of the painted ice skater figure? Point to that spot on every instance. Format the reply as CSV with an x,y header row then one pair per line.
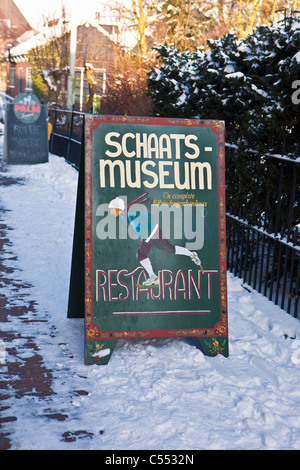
x,y
150,236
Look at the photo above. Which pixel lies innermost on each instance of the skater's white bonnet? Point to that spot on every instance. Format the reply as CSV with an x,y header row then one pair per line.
x,y
117,203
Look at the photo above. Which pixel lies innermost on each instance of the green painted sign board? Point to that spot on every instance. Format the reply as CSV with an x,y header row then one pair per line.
x,y
149,252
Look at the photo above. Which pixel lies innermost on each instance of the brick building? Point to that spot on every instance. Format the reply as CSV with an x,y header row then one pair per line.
x,y
13,25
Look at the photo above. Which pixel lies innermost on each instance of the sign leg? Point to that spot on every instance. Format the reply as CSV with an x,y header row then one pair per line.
x,y
76,304
212,346
99,351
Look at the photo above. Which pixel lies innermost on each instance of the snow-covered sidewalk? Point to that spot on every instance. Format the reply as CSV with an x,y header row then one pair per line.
x,y
154,394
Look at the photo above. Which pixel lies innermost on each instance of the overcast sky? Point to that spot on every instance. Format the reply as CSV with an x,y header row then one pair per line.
x,y
37,10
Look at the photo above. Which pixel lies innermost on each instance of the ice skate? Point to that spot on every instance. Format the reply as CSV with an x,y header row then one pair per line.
x,y
196,260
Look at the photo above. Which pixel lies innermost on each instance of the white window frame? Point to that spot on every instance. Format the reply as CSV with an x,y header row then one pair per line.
x,y
28,85
20,79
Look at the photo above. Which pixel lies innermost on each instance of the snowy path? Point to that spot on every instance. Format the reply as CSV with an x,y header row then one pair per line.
x,y
153,394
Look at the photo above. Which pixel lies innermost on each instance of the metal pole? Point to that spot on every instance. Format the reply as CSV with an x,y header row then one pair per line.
x,y
71,77
81,88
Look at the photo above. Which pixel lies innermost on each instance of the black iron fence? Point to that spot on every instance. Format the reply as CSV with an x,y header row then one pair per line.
x,y
263,212
66,134
263,224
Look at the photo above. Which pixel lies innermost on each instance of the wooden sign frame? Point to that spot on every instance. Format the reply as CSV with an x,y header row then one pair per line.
x,y
115,309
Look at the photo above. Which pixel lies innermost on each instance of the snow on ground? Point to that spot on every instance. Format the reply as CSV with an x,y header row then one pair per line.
x,y
158,394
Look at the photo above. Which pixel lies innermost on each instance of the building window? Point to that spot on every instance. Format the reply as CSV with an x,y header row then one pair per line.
x,y
20,80
28,79
82,88
12,75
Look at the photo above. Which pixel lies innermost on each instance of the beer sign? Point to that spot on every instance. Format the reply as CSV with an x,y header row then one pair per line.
x,y
152,198
27,108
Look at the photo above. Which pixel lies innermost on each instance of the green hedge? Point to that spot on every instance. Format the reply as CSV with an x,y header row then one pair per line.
x,y
252,84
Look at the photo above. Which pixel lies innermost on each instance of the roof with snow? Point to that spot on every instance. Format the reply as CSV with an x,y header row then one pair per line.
x,y
34,38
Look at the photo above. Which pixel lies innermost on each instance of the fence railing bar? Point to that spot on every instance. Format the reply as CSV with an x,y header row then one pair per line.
x,y
228,245
66,138
252,244
269,243
297,288
278,283
292,202
267,155
60,135
267,197
237,264
246,253
284,276
256,257
241,254
70,133
278,205
290,294
262,270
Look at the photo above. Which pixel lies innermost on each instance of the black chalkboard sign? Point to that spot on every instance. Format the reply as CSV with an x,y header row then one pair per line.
x,y
26,131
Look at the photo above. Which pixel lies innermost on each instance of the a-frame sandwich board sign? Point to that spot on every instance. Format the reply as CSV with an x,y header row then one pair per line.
x,y
149,250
